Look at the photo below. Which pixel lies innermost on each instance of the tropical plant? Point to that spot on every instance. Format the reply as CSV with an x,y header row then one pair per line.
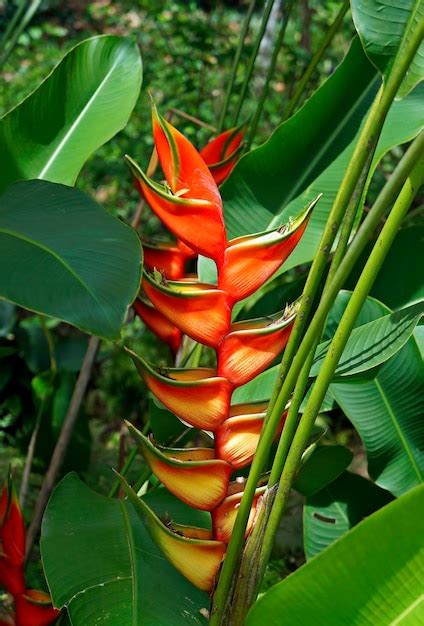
x,y
261,252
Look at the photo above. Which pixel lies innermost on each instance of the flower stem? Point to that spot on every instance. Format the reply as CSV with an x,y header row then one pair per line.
x,y
300,88
236,62
294,358
361,291
251,65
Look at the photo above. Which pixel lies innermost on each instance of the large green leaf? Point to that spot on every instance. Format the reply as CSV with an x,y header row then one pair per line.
x,y
321,466
101,564
373,575
84,102
387,411
274,181
331,512
61,254
374,343
381,25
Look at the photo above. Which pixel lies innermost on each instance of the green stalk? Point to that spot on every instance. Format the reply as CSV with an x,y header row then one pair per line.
x,y
300,88
12,24
13,38
124,471
292,355
270,73
50,343
361,291
251,65
236,62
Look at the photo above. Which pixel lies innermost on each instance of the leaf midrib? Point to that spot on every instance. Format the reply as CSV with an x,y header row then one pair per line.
x,y
61,261
84,111
398,429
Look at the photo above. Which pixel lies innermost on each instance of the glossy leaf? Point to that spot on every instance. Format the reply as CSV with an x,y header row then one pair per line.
x,y
373,575
334,510
374,343
86,100
109,571
63,255
381,26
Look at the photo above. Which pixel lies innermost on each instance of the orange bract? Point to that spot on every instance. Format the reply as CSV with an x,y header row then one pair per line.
x,y
224,516
158,323
223,152
166,257
199,310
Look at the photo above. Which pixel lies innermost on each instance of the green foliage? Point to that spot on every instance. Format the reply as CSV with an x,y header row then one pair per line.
x,y
109,568
373,574
83,103
87,278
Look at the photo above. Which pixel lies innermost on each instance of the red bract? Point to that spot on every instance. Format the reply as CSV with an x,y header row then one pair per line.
x,y
32,608
224,516
197,309
158,323
166,257
222,153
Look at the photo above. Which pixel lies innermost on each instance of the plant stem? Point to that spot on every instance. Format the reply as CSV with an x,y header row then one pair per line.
x,y
14,36
300,88
62,441
50,343
236,62
296,357
251,65
277,47
338,343
130,458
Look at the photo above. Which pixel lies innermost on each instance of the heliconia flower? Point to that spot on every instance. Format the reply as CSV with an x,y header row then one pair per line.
x,y
6,619
167,257
197,559
224,516
34,608
186,251
197,396
222,153
158,323
194,219
199,310
191,532
202,484
237,438
251,259
12,541
252,345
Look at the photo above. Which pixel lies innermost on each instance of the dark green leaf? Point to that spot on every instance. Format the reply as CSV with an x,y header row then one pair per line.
x,y
84,102
7,318
321,467
331,512
373,575
101,564
63,255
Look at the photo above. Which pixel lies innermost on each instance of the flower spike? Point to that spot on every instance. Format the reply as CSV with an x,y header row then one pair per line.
x,y
166,257
252,259
202,484
224,516
197,309
197,396
158,323
223,152
196,220
197,559
237,438
252,345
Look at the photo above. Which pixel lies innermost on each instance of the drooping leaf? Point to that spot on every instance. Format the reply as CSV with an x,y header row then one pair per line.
x,y
101,564
63,255
381,26
373,575
374,343
7,318
331,512
86,100
320,467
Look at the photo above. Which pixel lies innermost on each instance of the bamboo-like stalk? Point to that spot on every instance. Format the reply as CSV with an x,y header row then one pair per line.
x,y
316,58
277,47
20,27
235,66
251,64
361,291
294,358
